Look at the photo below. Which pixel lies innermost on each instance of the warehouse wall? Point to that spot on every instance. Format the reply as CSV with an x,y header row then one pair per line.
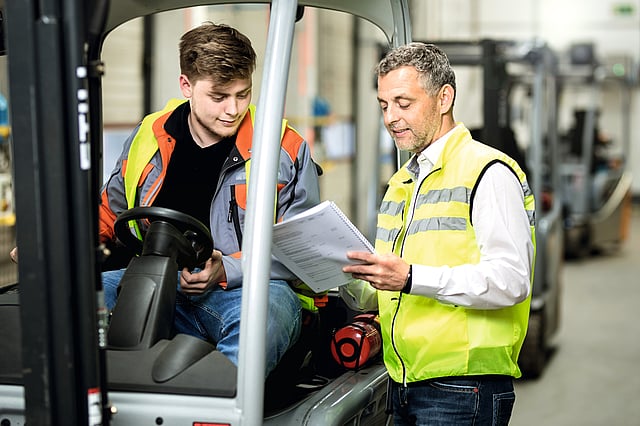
x,y
322,66
613,26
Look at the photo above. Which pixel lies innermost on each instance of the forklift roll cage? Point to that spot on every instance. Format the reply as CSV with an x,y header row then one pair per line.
x,y
55,71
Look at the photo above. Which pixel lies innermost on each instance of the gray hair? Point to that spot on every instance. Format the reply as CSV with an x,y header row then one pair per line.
x,y
429,60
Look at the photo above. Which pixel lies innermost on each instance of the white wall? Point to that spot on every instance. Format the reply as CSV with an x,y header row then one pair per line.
x,y
122,82
558,22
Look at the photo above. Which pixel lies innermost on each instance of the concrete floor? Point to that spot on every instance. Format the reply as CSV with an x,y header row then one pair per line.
x,y
592,377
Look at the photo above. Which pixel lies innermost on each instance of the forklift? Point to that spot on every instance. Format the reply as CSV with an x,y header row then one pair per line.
x,y
595,174
60,361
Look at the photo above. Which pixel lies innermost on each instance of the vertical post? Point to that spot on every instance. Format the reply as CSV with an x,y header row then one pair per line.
x,y
493,77
55,234
259,222
535,153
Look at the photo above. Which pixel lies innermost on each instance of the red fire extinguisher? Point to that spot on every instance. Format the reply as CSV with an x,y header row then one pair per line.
x,y
356,343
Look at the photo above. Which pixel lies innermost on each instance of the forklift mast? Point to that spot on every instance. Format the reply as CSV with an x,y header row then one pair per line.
x,y
55,153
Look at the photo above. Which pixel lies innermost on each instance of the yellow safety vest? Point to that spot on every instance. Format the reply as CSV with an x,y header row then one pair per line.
x,y
424,338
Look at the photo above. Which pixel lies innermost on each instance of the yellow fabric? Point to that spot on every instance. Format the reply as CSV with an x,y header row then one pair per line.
x,y
142,149
437,339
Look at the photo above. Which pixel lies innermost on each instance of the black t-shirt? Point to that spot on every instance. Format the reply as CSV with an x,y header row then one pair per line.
x,y
190,181
193,171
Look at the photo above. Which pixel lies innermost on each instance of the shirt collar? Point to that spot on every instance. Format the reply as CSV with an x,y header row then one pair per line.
x,y
433,151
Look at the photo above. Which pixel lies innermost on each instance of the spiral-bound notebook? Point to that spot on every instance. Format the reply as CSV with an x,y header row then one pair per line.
x,y
314,243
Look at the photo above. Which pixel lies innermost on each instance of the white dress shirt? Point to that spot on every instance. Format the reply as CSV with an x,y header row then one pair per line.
x,y
501,224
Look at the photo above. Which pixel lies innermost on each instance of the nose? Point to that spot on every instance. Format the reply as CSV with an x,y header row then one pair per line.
x,y
390,116
231,106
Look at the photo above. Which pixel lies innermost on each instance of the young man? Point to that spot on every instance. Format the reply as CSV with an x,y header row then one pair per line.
x,y
454,255
193,157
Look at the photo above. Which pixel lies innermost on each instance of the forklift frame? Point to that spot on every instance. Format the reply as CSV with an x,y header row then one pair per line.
x,y
55,83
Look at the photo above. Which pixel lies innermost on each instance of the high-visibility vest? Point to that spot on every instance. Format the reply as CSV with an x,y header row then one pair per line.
x,y
437,339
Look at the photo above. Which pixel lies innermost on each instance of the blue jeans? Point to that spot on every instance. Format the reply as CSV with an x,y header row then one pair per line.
x,y
454,401
215,316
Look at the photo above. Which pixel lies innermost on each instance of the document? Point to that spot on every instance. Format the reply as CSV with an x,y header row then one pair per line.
x,y
314,245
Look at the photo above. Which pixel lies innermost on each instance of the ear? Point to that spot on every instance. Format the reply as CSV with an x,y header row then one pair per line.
x,y
185,86
445,98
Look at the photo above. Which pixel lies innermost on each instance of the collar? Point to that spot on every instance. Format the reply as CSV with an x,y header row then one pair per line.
x,y
434,150
431,153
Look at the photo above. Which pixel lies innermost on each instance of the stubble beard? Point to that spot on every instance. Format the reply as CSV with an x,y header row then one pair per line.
x,y
216,135
414,143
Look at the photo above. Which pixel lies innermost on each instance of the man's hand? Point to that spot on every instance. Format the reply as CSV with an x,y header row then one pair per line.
x,y
382,271
201,281
14,255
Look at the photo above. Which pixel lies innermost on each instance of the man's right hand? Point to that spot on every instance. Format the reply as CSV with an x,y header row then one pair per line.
x,y
199,282
14,255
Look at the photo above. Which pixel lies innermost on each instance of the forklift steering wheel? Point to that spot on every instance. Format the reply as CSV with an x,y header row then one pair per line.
x,y
196,233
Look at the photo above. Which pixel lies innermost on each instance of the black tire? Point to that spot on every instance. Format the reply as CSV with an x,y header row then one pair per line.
x,y
533,356
578,242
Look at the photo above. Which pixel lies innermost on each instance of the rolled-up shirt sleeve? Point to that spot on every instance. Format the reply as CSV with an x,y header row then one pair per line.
x,y
503,276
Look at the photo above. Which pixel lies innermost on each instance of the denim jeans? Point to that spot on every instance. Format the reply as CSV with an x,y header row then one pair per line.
x,y
454,401
215,316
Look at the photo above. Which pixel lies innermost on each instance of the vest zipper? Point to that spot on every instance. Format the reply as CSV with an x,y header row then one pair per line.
x,y
393,323
393,344
233,216
412,205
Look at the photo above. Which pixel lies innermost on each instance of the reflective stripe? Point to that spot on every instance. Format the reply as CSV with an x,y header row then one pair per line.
x,y
532,217
387,235
391,208
526,189
437,224
458,194
247,171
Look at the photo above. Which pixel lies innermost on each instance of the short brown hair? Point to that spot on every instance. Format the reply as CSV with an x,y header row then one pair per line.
x,y
218,52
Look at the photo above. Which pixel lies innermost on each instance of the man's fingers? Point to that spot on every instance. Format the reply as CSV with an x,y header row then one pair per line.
x,y
216,255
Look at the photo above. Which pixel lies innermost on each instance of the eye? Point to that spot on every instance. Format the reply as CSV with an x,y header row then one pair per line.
x,y
404,105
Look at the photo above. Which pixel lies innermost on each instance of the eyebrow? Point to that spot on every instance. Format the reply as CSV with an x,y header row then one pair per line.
x,y
398,98
226,93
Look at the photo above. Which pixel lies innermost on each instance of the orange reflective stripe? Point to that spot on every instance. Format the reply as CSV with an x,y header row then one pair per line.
x,y
241,196
321,300
291,142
